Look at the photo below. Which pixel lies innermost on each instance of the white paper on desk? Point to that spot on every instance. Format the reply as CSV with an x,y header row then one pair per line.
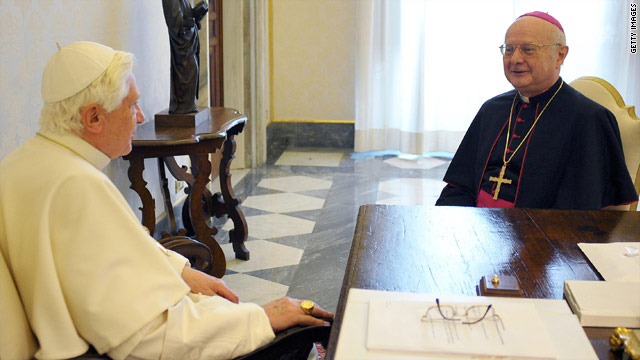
x,y
397,326
565,331
619,261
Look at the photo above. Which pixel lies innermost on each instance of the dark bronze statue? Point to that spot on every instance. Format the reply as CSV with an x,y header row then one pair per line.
x,y
183,23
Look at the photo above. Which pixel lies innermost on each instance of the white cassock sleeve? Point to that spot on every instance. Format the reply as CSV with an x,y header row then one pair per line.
x,y
113,277
127,282
200,327
205,327
177,261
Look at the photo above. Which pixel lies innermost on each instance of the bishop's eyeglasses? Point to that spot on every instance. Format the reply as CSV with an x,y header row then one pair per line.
x,y
471,315
526,49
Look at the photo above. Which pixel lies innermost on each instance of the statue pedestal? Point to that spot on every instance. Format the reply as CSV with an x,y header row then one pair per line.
x,y
164,119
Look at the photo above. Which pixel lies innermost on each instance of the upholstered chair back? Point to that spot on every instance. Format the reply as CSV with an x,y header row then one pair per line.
x,y
606,95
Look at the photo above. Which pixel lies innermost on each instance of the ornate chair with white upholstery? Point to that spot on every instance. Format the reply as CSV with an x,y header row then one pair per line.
x,y
606,95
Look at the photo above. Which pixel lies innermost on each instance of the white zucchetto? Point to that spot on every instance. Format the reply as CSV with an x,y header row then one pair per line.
x,y
73,68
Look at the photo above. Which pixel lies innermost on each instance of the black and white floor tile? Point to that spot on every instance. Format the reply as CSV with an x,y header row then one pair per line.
x,y
301,213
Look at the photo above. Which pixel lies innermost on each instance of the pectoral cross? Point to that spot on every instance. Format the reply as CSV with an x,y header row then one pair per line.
x,y
499,181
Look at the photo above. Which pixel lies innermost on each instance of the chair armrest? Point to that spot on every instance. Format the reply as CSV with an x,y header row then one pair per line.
x,y
199,254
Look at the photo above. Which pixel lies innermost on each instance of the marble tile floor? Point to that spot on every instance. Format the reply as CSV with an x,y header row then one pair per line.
x,y
301,213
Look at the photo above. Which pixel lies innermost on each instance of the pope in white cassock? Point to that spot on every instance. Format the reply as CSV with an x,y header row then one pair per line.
x,y
77,268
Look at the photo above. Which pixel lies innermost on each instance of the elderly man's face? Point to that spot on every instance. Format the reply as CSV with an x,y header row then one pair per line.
x,y
121,123
533,74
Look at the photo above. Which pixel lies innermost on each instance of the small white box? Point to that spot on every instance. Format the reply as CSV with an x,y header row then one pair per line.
x,y
604,303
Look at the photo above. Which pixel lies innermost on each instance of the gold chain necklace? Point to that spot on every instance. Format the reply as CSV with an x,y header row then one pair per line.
x,y
500,179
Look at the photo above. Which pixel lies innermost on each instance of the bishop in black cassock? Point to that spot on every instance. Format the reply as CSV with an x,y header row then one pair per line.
x,y
572,159
553,149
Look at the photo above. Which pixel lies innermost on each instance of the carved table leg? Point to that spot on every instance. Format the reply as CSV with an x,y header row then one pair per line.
x,y
182,174
201,168
136,168
229,203
168,205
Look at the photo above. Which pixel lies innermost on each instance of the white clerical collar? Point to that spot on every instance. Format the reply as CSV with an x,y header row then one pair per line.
x,y
523,98
79,146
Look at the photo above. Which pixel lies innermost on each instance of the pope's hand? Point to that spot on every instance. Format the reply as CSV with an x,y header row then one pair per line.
x,y
286,312
206,284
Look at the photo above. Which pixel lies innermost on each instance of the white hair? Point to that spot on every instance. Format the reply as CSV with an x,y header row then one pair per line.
x,y
559,37
109,90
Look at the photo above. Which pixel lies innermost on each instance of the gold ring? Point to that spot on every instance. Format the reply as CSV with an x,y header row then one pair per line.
x,y
307,306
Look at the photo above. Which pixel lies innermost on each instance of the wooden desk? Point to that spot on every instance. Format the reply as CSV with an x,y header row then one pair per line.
x,y
446,250
198,143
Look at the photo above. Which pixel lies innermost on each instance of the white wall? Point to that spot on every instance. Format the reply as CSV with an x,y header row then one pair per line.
x,y
233,68
30,30
314,54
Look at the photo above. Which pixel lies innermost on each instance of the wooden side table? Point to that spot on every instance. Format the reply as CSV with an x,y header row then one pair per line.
x,y
208,137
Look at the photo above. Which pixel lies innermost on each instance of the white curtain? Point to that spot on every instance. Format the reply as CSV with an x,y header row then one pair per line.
x,y
424,67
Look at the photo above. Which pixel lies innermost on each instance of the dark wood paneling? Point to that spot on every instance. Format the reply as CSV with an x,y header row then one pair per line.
x,y
215,52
